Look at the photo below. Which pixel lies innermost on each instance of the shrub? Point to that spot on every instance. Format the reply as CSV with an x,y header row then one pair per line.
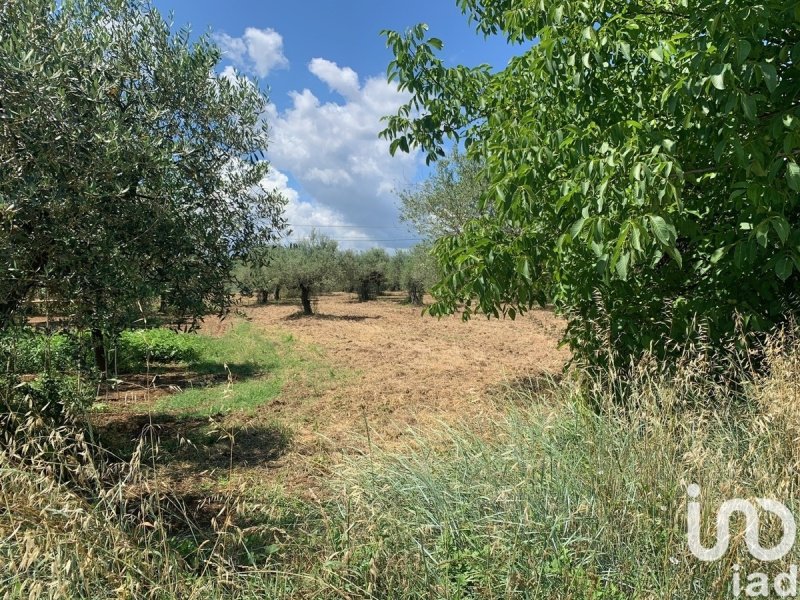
x,y
26,350
139,347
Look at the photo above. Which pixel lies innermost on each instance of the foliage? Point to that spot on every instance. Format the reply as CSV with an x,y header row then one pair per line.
x,y
309,267
394,275
420,273
27,350
366,273
259,274
139,347
129,173
643,162
445,202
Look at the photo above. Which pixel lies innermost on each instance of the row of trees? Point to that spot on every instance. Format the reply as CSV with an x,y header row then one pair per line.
x,y
316,265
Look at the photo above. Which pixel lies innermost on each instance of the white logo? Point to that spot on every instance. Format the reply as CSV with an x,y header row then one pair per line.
x,y
750,512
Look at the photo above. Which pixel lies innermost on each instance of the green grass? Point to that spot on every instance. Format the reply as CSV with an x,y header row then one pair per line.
x,y
239,397
253,366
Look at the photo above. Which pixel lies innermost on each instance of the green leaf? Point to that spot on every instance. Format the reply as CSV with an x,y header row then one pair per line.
x,y
523,268
622,266
717,76
742,51
749,107
762,233
675,255
793,176
657,54
770,75
718,254
781,227
664,232
576,228
783,267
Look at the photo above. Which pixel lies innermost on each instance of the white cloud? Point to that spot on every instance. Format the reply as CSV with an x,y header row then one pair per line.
x,y
258,51
333,151
305,216
229,73
275,181
342,80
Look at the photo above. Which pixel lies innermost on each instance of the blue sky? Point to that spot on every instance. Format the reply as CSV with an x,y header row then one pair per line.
x,y
323,64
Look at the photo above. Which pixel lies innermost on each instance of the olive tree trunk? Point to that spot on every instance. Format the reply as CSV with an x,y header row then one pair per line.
x,y
305,299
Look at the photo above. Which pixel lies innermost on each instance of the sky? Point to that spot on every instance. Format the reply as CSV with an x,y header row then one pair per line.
x,y
323,65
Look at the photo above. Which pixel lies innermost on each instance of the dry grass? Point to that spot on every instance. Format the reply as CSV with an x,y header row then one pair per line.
x,y
401,371
408,370
561,493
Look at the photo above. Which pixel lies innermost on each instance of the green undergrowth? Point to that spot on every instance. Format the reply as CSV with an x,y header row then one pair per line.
x,y
251,368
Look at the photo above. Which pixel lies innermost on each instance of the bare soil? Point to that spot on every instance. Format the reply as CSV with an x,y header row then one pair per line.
x,y
398,372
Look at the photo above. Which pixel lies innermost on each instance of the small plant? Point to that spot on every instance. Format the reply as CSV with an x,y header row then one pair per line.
x,y
136,348
26,350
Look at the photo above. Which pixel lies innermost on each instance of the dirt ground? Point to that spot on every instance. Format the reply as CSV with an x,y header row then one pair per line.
x,y
404,370
398,372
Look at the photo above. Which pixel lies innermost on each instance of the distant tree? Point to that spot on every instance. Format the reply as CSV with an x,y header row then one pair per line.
x,y
365,273
130,175
308,267
644,167
445,202
420,273
394,276
260,275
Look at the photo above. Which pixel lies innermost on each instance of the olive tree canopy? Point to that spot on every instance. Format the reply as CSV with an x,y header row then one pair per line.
x,y
129,171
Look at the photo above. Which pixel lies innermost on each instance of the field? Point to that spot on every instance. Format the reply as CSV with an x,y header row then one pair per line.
x,y
354,377
372,452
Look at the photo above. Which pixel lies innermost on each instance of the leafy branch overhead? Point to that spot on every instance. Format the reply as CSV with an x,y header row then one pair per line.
x,y
643,162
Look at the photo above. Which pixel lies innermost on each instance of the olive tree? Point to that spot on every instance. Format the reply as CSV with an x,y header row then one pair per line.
x,y
642,158
445,202
308,267
420,273
260,274
366,273
129,172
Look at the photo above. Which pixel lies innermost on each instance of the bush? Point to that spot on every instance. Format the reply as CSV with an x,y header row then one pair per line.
x,y
26,350
139,347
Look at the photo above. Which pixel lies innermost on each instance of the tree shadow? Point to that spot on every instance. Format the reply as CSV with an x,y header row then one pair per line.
x,y
197,443
325,317
197,454
176,379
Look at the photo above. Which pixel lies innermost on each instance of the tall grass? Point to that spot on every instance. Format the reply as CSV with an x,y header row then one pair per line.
x,y
570,495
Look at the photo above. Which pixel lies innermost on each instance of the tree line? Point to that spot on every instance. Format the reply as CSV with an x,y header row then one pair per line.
x,y
316,265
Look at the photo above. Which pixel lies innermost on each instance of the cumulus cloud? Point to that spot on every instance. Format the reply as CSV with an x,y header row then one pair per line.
x,y
341,80
305,216
258,51
333,151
